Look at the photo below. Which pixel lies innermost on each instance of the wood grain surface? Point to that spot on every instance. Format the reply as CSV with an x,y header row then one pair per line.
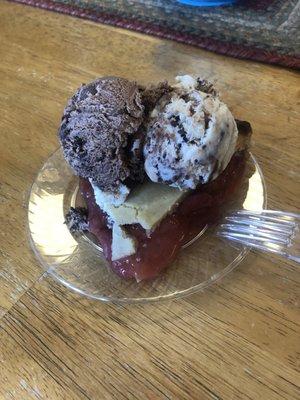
x,y
240,339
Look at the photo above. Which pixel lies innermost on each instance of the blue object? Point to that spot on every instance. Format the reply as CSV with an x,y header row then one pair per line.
x,y
206,3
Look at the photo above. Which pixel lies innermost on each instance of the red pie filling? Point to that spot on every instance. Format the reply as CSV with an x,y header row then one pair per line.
x,y
202,206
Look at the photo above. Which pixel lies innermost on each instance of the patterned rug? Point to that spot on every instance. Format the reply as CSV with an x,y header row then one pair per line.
x,y
262,30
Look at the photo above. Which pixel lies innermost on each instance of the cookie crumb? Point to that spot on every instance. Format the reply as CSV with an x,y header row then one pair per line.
x,y
76,219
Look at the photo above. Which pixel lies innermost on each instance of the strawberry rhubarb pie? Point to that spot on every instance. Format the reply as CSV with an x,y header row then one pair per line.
x,y
155,165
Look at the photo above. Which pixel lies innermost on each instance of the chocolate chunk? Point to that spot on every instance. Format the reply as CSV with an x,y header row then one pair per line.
x,y
186,97
206,120
182,133
205,86
174,120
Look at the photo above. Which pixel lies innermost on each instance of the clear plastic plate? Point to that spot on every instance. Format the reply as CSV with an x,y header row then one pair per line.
x,y
78,263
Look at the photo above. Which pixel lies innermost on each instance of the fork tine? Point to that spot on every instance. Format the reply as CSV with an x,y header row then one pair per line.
x,y
276,227
270,212
274,247
246,234
270,215
266,218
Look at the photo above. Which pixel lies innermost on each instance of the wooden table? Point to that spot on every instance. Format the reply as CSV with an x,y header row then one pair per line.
x,y
237,340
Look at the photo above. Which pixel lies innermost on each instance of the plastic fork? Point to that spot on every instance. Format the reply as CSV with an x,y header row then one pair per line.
x,y
270,231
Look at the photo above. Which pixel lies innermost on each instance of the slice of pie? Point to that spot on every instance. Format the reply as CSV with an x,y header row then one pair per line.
x,y
155,164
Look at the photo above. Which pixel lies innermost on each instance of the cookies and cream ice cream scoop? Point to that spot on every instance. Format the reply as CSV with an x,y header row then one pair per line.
x,y
191,135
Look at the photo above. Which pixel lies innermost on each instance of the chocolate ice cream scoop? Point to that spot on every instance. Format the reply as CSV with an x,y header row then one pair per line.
x,y
101,133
